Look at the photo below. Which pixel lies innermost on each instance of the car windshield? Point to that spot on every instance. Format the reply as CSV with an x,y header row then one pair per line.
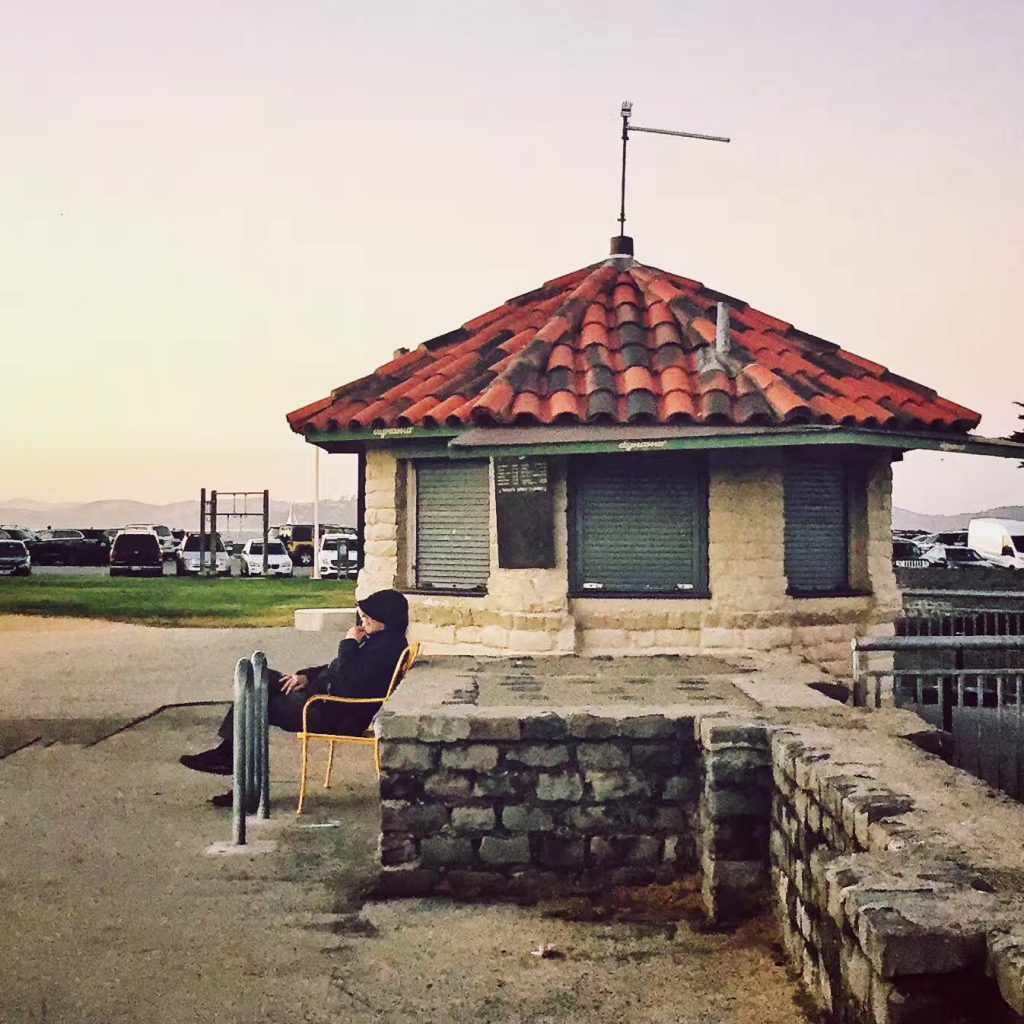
x,y
11,548
330,543
962,555
1018,541
192,544
67,535
274,547
17,534
904,549
302,533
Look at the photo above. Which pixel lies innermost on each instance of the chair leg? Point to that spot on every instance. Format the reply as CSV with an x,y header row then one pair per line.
x,y
302,778
330,765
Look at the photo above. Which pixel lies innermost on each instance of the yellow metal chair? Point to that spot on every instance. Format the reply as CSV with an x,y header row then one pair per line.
x,y
405,662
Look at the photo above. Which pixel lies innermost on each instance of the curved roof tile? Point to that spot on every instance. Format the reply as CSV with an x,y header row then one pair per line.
x,y
620,342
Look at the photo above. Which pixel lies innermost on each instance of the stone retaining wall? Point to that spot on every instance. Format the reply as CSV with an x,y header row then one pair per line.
x,y
513,805
884,924
887,922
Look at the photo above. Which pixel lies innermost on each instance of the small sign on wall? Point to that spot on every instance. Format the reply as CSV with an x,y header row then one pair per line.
x,y
525,512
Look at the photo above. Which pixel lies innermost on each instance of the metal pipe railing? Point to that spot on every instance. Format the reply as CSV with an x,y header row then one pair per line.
x,y
251,776
243,695
262,740
980,705
967,622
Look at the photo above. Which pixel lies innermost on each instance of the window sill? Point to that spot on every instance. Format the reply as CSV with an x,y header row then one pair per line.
x,y
632,595
439,592
810,594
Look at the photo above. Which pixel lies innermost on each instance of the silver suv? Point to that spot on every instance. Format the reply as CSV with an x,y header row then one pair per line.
x,y
187,556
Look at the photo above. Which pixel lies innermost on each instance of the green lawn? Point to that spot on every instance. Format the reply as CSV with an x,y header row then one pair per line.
x,y
172,600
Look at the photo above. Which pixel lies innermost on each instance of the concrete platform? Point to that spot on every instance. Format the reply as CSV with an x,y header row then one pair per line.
x,y
316,620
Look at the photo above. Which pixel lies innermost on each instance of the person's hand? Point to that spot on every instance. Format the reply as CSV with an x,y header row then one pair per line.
x,y
293,684
356,633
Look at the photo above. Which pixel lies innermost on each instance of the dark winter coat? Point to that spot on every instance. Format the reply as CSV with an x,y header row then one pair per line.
x,y
360,670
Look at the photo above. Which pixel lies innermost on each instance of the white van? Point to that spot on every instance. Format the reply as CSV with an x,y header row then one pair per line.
x,y
999,540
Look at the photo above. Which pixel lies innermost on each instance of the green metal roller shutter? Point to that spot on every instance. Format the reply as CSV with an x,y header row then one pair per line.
x,y
452,519
639,525
817,551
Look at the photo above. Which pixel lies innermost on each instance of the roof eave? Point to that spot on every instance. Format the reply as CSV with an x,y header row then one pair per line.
x,y
569,440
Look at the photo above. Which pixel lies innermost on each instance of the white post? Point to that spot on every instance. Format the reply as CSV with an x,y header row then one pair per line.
x,y
316,517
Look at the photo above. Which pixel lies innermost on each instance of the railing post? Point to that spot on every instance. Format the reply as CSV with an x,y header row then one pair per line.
x,y
243,695
250,743
860,688
262,745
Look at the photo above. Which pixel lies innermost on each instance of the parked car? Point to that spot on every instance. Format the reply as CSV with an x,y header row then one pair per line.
x,y
187,559
58,547
962,557
136,552
94,548
278,561
26,536
339,549
952,556
999,540
14,558
298,539
163,535
907,555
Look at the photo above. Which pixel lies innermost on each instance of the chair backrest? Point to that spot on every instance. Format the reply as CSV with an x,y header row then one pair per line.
x,y
405,660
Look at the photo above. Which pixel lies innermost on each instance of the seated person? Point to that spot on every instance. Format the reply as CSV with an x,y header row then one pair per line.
x,y
363,668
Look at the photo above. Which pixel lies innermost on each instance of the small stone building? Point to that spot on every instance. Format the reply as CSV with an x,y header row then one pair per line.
x,y
625,461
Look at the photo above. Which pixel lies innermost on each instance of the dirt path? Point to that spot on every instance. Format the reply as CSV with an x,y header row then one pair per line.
x,y
115,912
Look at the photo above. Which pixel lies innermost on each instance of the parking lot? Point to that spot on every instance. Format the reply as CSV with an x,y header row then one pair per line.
x,y
102,570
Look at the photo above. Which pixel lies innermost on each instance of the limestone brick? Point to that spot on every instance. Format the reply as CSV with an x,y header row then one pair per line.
x,y
523,641
467,635
494,636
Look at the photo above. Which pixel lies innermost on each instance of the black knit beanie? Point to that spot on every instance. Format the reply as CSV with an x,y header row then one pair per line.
x,y
389,607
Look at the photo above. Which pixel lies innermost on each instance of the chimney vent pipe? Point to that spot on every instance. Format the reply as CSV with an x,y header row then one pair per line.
x,y
723,341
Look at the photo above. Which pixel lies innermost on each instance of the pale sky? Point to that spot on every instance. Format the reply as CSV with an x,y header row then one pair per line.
x,y
213,213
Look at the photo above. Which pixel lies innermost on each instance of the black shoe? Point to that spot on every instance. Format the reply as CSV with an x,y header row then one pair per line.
x,y
212,762
228,800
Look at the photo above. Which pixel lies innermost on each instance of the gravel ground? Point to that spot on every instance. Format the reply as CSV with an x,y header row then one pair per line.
x,y
115,911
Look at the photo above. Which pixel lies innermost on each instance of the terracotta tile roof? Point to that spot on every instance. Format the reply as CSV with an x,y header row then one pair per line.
x,y
620,342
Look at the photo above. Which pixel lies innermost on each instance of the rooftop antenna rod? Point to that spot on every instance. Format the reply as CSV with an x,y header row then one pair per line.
x,y
627,112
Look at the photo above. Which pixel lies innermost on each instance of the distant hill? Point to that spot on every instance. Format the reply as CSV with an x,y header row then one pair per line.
x,y
178,515
903,519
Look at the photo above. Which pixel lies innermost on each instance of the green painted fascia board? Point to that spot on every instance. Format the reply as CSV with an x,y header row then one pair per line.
x,y
381,434
341,441
409,441
896,441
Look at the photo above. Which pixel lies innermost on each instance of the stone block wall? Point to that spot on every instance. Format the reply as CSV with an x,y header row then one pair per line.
x,y
513,805
529,611
886,920
736,793
885,925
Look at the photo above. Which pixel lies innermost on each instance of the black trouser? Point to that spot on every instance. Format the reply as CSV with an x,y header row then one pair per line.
x,y
283,710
